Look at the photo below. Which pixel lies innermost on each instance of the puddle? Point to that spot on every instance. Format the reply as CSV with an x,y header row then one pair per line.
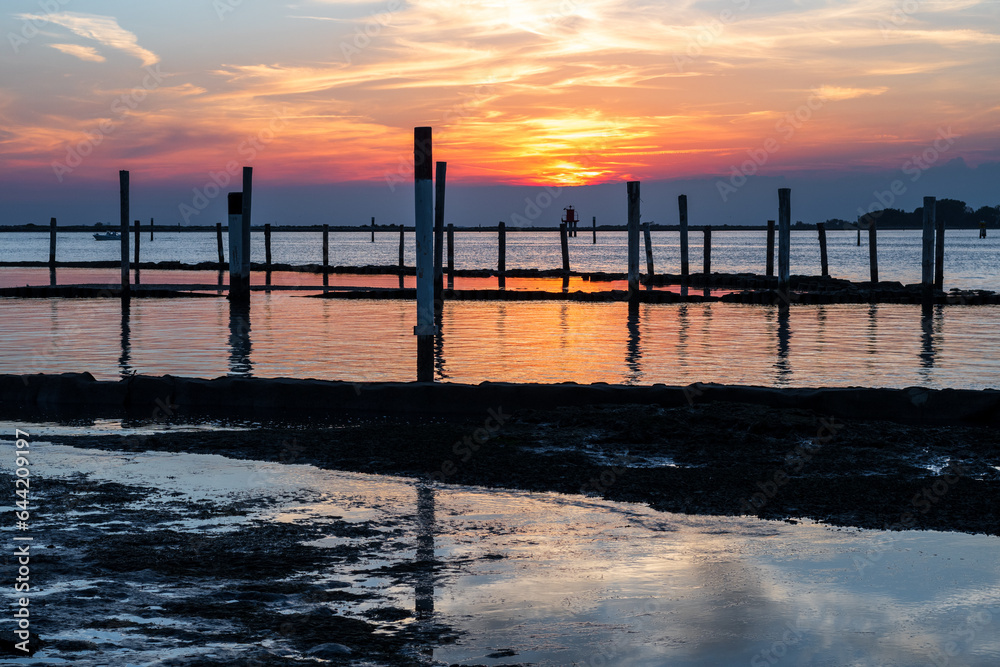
x,y
551,579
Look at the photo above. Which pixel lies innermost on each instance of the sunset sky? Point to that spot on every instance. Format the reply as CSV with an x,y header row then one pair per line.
x,y
315,94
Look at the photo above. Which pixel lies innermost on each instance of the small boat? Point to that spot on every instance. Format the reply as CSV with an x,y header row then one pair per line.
x,y
107,236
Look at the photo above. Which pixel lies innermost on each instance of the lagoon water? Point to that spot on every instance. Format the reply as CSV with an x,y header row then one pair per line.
x,y
287,334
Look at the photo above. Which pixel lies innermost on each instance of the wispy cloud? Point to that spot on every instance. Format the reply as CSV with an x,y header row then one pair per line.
x,y
103,29
82,52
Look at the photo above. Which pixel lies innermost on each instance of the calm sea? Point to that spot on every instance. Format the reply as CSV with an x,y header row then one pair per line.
x,y
285,334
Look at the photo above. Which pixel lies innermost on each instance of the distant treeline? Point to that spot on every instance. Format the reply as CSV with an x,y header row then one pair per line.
x,y
955,213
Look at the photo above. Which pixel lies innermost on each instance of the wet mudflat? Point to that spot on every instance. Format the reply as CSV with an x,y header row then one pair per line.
x,y
254,547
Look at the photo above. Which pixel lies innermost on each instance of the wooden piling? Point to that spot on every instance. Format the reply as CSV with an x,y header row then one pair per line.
x,y
824,267
939,255
784,236
770,248
235,212
423,180
440,177
52,242
151,229
502,255
402,249
682,209
373,229
707,248
136,250
218,240
859,236
649,250
564,243
632,190
593,223
123,191
267,246
326,248
451,256
872,251
927,256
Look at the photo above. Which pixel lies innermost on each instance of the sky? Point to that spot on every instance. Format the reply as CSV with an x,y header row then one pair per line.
x,y
535,105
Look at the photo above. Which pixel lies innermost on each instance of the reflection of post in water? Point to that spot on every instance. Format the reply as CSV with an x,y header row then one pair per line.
x,y
124,361
424,590
928,320
239,337
634,355
52,276
221,288
872,350
439,341
683,324
784,334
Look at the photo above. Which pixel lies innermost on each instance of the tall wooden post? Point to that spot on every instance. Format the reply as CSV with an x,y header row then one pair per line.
x,y
235,204
859,237
872,251
451,256
123,191
151,229
373,229
245,239
267,246
649,250
564,244
823,266
52,242
423,187
593,222
927,257
784,236
402,250
770,249
939,255
682,209
136,251
632,189
326,248
440,176
218,241
707,248
502,255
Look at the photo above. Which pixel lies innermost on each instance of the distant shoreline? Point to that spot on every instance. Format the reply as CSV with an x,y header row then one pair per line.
x,y
384,229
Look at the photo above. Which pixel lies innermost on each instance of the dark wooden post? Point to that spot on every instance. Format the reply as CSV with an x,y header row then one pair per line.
x,y
151,229
784,236
593,222
872,251
402,248
939,255
502,255
136,251
451,256
267,246
123,189
770,248
423,180
373,229
649,250
632,190
565,247
682,209
859,236
824,267
326,247
927,256
218,239
440,177
707,269
235,209
52,242
245,239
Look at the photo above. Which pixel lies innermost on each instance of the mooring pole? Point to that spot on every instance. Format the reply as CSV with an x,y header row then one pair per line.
x,y
123,189
52,242
151,229
872,252
440,177
593,222
451,256
373,229
823,266
423,187
784,236
402,249
218,241
682,209
939,255
235,204
565,247
502,255
136,251
649,251
770,249
927,257
267,246
326,248
707,249
632,189
245,238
